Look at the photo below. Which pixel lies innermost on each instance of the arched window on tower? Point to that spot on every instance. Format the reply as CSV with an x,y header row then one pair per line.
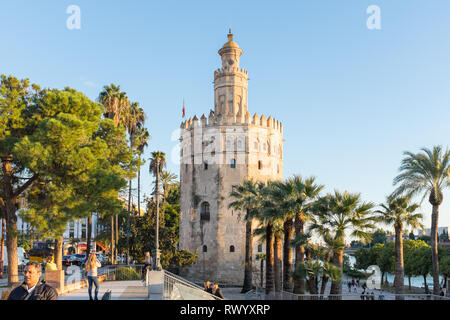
x,y
231,248
204,212
205,248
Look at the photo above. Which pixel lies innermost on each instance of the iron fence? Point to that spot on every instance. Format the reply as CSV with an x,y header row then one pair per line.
x,y
177,288
123,272
283,295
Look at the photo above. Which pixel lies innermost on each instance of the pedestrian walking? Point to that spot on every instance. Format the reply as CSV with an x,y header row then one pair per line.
x,y
349,285
381,295
32,288
354,288
357,282
147,262
372,295
91,270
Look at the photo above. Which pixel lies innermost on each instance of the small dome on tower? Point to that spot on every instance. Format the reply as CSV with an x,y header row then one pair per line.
x,y
230,43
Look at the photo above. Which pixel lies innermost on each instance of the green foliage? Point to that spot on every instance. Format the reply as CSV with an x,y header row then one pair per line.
x,y
126,273
24,243
444,261
351,272
142,238
427,239
365,257
79,158
379,236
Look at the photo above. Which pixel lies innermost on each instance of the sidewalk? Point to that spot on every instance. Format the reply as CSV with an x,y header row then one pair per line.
x,y
120,290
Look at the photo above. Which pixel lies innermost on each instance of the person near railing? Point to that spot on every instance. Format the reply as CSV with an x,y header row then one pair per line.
x,y
217,291
92,265
147,263
208,287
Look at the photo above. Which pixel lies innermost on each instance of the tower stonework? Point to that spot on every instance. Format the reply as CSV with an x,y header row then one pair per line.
x,y
217,152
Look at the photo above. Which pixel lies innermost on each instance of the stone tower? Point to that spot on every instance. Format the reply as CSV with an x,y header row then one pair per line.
x,y
217,152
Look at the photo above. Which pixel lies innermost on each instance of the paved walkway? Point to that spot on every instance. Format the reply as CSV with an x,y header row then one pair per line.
x,y
120,290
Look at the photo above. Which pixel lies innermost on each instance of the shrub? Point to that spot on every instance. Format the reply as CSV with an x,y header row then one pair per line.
x,y
126,273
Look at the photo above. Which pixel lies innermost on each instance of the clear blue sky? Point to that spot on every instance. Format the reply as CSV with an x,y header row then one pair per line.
x,y
351,99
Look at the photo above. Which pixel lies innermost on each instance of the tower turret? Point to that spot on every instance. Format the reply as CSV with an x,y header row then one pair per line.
x,y
230,82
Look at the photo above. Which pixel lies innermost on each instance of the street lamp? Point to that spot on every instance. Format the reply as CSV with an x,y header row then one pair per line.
x,y
156,196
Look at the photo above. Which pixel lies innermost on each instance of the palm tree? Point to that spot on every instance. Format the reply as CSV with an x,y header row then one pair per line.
x,y
398,211
298,197
427,173
157,163
265,230
280,194
261,257
271,221
116,105
167,178
134,120
247,197
141,139
333,215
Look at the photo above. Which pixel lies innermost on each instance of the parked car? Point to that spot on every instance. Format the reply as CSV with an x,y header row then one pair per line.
x,y
77,258
66,261
101,258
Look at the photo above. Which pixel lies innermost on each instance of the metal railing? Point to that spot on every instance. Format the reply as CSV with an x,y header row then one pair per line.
x,y
123,272
283,295
177,288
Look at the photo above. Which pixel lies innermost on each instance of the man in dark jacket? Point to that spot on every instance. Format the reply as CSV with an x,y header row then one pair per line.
x,y
32,288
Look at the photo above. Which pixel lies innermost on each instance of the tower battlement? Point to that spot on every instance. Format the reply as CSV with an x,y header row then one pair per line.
x,y
230,71
217,120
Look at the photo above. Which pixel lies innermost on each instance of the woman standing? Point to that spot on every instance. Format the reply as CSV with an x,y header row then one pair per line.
x,y
91,269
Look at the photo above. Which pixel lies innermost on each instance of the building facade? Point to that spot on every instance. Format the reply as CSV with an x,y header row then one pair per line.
x,y
218,152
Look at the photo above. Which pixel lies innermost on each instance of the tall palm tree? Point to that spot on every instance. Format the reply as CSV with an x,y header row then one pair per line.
x,y
265,230
271,221
116,105
399,212
141,139
248,198
298,195
280,194
333,215
427,173
157,163
134,120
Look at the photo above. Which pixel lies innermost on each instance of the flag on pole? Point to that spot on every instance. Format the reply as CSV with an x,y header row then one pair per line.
x,y
183,110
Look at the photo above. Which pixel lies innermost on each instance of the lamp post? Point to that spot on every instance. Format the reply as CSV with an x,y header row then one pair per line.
x,y
157,265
